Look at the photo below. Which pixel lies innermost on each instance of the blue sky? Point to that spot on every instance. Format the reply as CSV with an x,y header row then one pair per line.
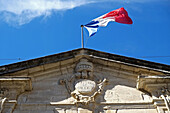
x,y
34,28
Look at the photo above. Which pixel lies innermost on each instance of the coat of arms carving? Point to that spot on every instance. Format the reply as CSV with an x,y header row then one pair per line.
x,y
83,85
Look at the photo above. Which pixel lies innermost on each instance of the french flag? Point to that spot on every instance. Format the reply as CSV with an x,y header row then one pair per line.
x,y
119,15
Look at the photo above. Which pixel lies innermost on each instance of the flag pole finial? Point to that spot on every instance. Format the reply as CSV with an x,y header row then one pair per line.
x,y
82,38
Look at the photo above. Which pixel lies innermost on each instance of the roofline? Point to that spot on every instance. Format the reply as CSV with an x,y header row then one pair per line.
x,y
10,68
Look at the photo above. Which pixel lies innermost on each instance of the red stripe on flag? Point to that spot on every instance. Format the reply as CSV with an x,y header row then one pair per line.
x,y
120,15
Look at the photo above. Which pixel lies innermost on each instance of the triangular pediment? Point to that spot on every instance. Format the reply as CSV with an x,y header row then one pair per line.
x,y
87,79
73,56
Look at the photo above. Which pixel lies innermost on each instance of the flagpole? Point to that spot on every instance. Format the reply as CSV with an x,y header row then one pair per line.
x,y
82,38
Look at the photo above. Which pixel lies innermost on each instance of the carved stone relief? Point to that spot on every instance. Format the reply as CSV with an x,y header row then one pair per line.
x,y
165,91
165,95
2,101
3,98
83,85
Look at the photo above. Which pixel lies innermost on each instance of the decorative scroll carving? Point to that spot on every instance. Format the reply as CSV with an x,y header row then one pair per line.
x,y
2,101
3,98
165,94
83,85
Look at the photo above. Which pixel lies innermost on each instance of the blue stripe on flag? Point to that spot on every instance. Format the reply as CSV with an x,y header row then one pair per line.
x,y
96,26
92,23
93,34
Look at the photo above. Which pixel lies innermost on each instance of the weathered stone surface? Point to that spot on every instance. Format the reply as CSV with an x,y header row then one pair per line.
x,y
137,111
85,81
111,111
125,94
81,110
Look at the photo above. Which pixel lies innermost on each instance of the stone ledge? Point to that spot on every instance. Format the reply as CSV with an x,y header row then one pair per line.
x,y
154,85
24,81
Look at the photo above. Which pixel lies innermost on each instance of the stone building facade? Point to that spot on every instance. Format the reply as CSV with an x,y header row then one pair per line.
x,y
85,81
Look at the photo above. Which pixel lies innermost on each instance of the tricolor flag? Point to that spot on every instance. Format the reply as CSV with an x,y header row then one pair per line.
x,y
119,15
